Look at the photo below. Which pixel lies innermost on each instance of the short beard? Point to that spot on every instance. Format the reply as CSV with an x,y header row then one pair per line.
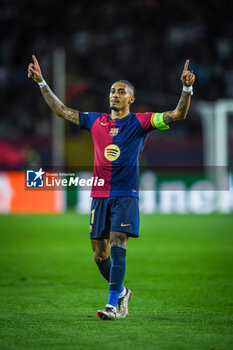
x,y
114,108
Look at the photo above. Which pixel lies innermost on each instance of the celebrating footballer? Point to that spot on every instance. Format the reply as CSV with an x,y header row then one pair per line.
x,y
118,139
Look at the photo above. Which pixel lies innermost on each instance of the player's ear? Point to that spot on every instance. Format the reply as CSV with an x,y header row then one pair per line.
x,y
132,99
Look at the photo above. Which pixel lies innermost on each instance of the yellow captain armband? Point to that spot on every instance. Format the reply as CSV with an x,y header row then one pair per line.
x,y
158,122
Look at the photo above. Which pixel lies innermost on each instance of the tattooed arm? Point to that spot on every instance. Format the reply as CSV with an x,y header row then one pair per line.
x,y
187,78
58,107
181,110
54,103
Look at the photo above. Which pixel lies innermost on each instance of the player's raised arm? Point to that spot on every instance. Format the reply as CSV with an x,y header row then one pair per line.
x,y
54,103
187,79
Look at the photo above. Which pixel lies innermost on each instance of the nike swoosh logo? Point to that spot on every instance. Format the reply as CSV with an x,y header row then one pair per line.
x,y
123,225
103,123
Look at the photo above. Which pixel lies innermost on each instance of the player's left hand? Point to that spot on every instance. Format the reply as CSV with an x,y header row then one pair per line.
x,y
187,77
34,71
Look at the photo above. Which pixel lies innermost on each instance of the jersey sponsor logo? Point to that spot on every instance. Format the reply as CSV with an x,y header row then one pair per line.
x,y
112,152
103,123
114,131
123,225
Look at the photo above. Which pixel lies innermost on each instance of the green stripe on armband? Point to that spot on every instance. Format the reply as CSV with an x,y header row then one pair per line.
x,y
158,122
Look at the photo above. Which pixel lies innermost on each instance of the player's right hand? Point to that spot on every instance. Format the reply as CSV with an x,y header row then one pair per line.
x,y
34,71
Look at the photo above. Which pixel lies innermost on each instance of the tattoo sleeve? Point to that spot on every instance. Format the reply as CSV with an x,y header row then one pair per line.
x,y
181,109
58,107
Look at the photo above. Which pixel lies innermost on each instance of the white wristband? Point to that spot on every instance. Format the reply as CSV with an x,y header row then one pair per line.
x,y
42,83
188,89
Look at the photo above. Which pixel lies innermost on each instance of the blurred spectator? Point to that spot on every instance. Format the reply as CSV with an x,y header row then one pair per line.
x,y
144,41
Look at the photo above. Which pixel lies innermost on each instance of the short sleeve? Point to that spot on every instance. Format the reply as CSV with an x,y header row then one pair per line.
x,y
87,119
145,121
150,121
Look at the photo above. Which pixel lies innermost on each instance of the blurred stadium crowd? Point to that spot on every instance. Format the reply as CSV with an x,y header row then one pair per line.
x,y
143,41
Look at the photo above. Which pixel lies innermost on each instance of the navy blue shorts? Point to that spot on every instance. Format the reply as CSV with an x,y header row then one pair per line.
x,y
119,214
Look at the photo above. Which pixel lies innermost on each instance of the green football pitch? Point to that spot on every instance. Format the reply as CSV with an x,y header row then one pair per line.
x,y
179,270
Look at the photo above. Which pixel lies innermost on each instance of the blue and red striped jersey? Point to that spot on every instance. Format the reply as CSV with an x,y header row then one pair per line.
x,y
118,145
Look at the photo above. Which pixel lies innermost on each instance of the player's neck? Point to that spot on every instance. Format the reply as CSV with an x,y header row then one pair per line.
x,y
119,114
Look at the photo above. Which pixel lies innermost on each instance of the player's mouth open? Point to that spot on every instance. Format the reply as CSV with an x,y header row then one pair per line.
x,y
114,102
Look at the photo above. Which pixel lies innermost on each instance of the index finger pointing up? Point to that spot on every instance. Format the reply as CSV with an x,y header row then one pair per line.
x,y
186,66
35,60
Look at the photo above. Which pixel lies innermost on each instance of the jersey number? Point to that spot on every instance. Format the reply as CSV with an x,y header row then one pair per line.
x,y
92,216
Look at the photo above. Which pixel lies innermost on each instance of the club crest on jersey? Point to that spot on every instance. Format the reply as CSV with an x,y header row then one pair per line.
x,y
114,131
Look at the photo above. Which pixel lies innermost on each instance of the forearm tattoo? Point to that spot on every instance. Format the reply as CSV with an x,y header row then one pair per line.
x,y
167,117
183,104
58,107
181,109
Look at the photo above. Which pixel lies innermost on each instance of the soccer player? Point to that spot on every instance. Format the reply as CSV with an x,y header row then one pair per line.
x,y
118,142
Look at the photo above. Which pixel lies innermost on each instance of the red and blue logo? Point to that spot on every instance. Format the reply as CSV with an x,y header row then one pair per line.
x,y
114,131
